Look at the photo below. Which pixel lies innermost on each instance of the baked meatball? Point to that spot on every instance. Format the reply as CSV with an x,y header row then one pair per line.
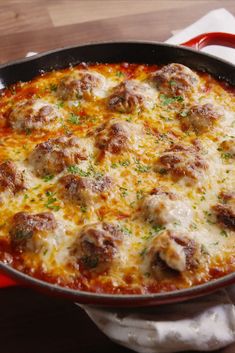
x,y
131,96
83,84
175,80
54,155
83,190
34,114
97,246
201,118
171,253
182,162
166,209
11,178
26,226
225,211
117,136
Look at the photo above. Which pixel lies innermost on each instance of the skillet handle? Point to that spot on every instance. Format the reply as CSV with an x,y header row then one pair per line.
x,y
213,38
6,281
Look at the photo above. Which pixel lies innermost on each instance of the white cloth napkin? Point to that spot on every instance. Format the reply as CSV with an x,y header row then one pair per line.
x,y
203,324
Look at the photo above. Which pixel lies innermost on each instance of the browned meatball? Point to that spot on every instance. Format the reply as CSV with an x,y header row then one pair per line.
x,y
25,226
34,114
171,253
84,190
98,245
54,155
201,118
81,86
182,161
117,136
175,80
130,96
10,178
225,211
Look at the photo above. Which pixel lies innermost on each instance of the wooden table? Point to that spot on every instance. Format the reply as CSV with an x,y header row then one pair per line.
x,y
31,322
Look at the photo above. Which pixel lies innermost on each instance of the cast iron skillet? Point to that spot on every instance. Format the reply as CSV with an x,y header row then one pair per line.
x,y
132,52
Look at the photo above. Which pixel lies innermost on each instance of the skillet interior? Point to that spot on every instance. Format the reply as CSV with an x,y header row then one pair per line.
x,y
132,52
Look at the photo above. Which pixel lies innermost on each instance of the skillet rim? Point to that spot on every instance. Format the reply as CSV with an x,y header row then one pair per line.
x,y
98,43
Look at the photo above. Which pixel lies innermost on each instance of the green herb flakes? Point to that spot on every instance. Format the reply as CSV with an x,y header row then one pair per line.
x,y
165,100
48,178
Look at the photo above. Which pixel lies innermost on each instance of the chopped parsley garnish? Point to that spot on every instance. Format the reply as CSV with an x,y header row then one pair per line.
x,y
142,168
143,252
204,250
28,131
162,171
119,74
124,163
123,191
147,274
226,155
53,87
184,113
173,83
90,261
177,223
74,119
126,230
168,100
74,169
60,104
139,194
48,177
114,165
147,237
83,209
194,226
158,228
224,233
208,216
165,118
216,243
51,201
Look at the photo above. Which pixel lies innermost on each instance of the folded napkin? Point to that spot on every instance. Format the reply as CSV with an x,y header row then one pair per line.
x,y
203,324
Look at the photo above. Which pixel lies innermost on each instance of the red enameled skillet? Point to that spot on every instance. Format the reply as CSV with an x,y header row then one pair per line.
x,y
132,52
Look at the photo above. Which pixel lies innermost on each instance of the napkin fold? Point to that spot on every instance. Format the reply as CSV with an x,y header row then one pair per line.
x,y
203,324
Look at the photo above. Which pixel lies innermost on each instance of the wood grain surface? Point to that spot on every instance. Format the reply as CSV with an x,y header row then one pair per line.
x,y
31,322
23,34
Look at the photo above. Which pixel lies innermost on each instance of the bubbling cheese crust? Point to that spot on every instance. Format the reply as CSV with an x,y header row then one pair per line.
x,y
118,178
